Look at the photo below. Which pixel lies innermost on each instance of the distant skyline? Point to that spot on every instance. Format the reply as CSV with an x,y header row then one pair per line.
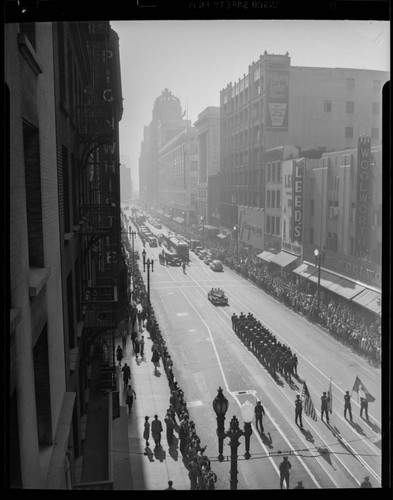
x,y
196,59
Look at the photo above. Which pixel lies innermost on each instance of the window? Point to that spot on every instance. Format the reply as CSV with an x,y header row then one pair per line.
x,y
327,106
376,85
268,200
278,199
350,106
269,175
376,108
348,132
33,195
273,199
278,226
268,224
350,83
374,133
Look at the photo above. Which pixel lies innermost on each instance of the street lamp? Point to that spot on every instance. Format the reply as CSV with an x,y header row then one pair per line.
x,y
318,257
148,263
184,217
220,406
132,235
236,229
203,231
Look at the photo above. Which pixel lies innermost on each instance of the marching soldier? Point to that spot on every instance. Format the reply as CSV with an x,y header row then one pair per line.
x,y
347,405
363,406
298,410
259,411
324,407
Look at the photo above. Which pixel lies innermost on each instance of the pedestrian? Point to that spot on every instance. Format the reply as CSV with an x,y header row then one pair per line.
x,y
142,346
347,405
136,348
146,431
324,407
363,407
134,336
170,425
130,396
126,374
183,434
170,487
156,429
284,467
259,411
155,359
298,410
299,486
119,354
366,483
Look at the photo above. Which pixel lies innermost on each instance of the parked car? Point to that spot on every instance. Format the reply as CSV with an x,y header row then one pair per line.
x,y
207,259
216,265
153,242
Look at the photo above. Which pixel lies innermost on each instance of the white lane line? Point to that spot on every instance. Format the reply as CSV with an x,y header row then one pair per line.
x,y
237,401
293,349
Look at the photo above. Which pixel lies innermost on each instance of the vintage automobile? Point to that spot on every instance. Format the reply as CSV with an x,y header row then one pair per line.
x,y
217,297
216,265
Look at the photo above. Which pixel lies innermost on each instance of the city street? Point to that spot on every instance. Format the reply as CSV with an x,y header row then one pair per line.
x,y
208,354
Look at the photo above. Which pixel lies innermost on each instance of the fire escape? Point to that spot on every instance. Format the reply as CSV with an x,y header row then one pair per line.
x,y
99,201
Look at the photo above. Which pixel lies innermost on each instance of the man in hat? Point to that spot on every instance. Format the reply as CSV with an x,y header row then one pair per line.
x,y
298,410
284,467
363,406
366,483
324,407
347,405
259,411
299,486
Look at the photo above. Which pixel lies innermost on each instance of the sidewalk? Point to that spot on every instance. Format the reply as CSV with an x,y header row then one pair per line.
x,y
133,469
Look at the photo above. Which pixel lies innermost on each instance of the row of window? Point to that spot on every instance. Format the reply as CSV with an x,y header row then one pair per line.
x,y
349,133
273,225
350,107
273,199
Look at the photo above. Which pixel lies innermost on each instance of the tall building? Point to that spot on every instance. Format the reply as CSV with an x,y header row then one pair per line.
x,y
276,104
67,282
167,121
125,182
178,176
208,133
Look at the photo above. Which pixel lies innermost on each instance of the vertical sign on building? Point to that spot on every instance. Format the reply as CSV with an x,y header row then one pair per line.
x,y
289,226
297,200
363,196
277,99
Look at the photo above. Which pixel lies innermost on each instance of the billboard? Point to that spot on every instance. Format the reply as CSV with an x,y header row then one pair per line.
x,y
277,99
363,195
292,205
252,226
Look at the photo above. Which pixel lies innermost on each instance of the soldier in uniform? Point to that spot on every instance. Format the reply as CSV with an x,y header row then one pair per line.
x,y
324,407
363,406
298,410
347,405
259,412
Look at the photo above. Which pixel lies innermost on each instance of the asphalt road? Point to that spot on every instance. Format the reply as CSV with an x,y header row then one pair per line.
x,y
208,354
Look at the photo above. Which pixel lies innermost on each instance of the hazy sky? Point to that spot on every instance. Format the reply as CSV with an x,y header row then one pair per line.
x,y
196,59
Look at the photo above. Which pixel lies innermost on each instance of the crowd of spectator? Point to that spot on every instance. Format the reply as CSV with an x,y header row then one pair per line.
x,y
349,323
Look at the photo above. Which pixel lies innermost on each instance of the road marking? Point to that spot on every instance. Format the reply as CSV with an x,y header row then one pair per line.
x,y
182,314
195,403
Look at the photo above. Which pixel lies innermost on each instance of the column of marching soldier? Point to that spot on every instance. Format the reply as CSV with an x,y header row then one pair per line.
x,y
274,356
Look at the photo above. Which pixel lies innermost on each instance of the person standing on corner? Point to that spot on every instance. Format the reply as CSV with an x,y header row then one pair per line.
x,y
130,396
366,483
259,411
363,406
284,467
170,487
298,410
347,405
142,346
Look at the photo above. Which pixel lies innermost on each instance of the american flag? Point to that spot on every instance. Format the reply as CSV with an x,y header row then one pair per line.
x,y
309,408
330,400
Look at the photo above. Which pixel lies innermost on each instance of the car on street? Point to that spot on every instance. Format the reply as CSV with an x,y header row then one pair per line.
x,y
152,242
207,260
216,265
217,297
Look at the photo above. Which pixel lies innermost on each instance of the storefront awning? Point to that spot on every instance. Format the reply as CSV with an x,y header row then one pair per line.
x,y
180,220
283,259
369,299
337,284
305,270
222,236
266,256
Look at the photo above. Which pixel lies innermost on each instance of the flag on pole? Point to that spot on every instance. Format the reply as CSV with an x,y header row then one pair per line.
x,y
361,391
309,408
330,397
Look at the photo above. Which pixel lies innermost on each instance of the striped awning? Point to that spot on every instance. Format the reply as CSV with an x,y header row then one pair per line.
x,y
266,256
370,299
283,259
305,270
344,287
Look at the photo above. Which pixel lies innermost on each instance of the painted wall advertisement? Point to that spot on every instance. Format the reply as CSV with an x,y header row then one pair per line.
x,y
277,99
363,193
252,226
292,203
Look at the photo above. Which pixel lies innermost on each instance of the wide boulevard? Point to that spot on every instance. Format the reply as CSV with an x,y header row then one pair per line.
x,y
208,354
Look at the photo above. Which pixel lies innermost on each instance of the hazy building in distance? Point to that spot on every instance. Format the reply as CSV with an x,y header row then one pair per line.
x,y
125,182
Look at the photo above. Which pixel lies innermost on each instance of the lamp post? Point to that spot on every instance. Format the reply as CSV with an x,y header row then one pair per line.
x,y
236,229
132,235
220,406
318,257
203,231
184,217
148,263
